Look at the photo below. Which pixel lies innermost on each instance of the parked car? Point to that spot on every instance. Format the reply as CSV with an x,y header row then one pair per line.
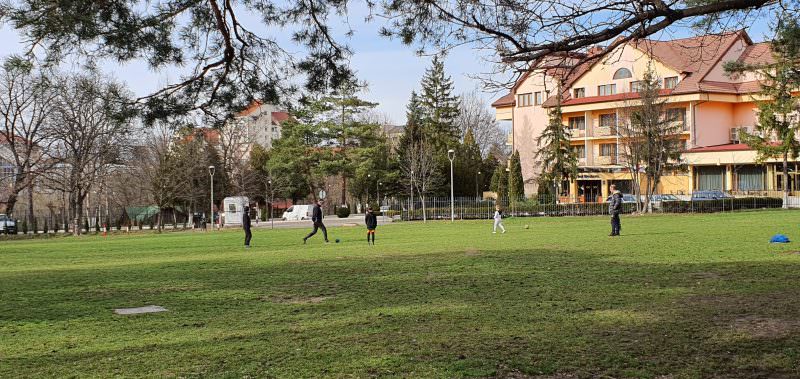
x,y
7,224
657,200
626,198
297,212
709,195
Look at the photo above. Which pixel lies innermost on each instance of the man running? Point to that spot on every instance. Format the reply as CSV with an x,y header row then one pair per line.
x,y
316,218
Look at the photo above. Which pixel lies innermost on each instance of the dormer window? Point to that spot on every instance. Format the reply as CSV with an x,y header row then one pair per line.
x,y
579,93
671,82
622,73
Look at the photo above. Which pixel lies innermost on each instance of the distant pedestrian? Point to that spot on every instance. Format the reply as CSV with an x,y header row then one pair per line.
x,y
615,208
372,223
246,226
498,220
316,218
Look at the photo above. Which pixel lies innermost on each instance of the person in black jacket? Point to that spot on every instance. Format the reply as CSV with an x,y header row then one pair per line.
x,y
615,208
372,222
316,218
246,226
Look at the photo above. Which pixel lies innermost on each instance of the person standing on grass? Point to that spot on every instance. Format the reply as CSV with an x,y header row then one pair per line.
x,y
498,220
614,208
316,218
246,226
372,222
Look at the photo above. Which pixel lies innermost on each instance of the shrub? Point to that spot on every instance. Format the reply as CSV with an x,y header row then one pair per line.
x,y
34,226
119,226
44,229
343,212
66,227
86,225
25,226
264,214
140,224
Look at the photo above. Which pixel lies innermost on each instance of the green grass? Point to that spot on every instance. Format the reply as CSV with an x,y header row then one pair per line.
x,y
691,296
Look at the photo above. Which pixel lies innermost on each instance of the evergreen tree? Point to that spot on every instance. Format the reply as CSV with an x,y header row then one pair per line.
x,y
466,166
412,136
295,157
499,183
488,167
555,155
778,125
516,185
439,110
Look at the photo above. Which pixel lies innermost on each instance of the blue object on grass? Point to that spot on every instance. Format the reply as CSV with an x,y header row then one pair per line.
x,y
779,238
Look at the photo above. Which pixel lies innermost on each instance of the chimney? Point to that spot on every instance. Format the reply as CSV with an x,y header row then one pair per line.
x,y
594,50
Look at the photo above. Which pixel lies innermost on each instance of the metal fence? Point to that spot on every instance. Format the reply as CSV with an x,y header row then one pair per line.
x,y
439,208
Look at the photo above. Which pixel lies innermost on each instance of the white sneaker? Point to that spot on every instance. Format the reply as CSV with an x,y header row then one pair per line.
x,y
504,232
494,232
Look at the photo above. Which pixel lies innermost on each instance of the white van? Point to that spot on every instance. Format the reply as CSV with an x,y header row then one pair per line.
x,y
298,212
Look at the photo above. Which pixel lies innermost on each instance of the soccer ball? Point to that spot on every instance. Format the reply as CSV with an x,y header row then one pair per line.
x,y
527,226
337,240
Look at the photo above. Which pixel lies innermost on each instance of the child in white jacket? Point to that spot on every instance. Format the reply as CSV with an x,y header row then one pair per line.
x,y
498,220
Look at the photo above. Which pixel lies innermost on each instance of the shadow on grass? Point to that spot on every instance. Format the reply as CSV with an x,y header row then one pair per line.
x,y
451,315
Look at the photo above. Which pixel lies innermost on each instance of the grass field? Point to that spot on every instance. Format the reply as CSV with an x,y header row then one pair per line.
x,y
685,296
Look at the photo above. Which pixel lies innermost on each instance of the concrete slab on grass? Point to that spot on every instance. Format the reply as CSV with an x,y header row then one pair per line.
x,y
140,310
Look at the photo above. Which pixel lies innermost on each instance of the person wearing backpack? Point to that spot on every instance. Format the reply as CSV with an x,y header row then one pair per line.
x,y
372,223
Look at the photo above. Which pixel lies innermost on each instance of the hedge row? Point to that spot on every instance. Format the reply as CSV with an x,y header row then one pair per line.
x,y
710,206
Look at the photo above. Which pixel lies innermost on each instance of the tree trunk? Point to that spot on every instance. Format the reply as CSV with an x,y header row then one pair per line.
x,y
785,180
11,202
344,190
30,201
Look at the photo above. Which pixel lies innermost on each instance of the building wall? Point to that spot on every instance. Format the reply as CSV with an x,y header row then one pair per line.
x,y
717,73
624,57
528,124
744,114
714,121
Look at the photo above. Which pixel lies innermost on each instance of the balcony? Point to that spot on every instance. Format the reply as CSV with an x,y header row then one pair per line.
x,y
577,133
604,131
605,160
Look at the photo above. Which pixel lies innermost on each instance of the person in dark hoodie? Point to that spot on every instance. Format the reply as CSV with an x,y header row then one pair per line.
x,y
615,208
316,218
372,222
246,226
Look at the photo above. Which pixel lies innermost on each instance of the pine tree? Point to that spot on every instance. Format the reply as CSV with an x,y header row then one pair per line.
x,y
499,183
555,155
467,164
778,125
516,185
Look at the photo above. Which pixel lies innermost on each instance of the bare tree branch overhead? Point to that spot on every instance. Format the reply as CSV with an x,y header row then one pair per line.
x,y
229,61
519,32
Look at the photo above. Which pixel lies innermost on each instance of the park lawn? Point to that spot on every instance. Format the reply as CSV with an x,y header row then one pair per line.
x,y
677,296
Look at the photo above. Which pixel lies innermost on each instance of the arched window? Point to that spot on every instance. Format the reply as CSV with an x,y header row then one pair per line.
x,y
622,73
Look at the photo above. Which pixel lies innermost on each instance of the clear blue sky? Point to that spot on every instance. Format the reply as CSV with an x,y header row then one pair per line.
x,y
390,69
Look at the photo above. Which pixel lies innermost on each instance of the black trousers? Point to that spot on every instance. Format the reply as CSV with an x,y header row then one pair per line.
x,y
318,225
247,236
616,226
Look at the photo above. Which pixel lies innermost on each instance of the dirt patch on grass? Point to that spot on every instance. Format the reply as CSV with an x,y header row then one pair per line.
x,y
704,275
765,327
507,373
790,252
296,300
472,252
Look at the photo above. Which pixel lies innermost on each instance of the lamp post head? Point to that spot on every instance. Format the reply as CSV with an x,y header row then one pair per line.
x,y
451,154
211,170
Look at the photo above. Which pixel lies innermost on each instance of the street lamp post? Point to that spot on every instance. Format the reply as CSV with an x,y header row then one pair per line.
x,y
508,177
378,190
271,199
451,154
211,172
477,179
369,178
411,202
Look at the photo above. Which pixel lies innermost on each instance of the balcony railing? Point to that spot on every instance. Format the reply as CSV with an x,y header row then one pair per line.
x,y
606,160
604,131
577,133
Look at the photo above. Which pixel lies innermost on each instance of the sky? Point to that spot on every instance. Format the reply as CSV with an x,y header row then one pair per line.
x,y
390,69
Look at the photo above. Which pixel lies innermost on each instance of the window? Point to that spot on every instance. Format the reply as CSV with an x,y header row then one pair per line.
x,y
636,86
608,149
671,82
622,73
578,123
677,115
524,100
606,89
537,98
580,151
579,93
608,120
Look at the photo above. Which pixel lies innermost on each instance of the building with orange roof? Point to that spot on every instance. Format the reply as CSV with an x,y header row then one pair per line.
x,y
710,106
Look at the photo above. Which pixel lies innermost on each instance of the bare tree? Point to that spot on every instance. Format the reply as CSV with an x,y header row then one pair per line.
x,y
649,138
235,147
93,135
26,95
519,33
421,168
474,113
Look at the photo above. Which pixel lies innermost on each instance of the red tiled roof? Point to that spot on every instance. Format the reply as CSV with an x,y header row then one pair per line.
x,y
279,117
718,148
757,54
250,108
507,99
725,87
614,97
